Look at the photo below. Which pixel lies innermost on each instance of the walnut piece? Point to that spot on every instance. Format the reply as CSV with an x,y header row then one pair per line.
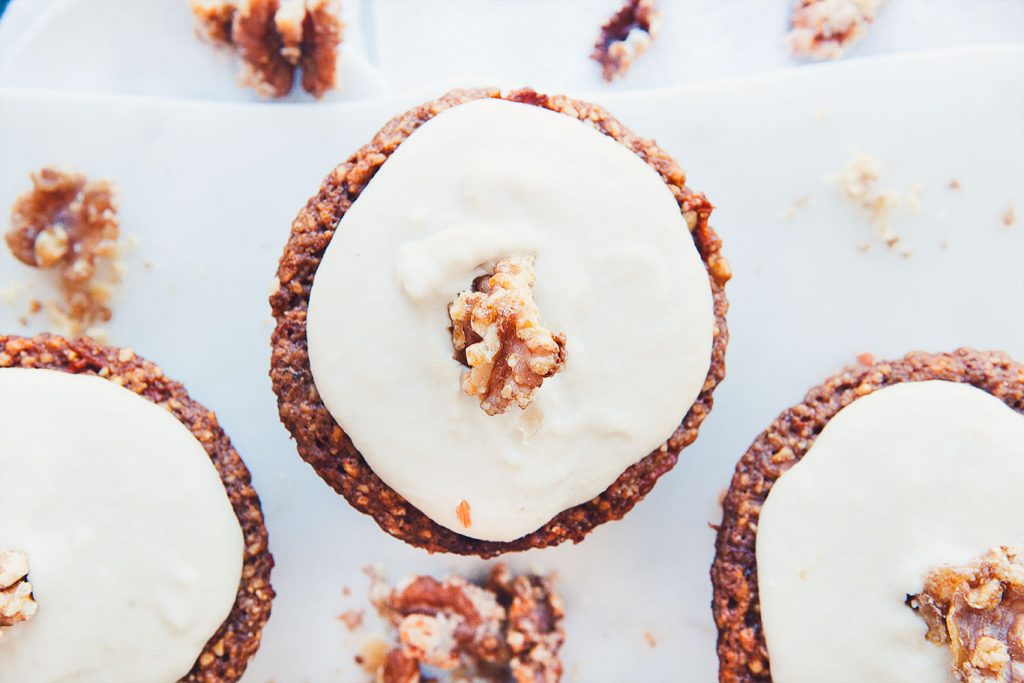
x,y
275,39
17,604
509,629
978,610
68,223
626,36
497,334
823,29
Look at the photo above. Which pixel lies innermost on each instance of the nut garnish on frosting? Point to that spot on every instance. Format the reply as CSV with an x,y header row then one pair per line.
x,y
508,629
978,610
17,604
497,333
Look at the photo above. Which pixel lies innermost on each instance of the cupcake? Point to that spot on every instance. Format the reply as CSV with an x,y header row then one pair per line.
x,y
133,545
499,322
873,532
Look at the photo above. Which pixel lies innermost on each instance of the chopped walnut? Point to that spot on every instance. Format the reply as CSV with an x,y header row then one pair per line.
x,y
978,610
275,39
497,334
626,36
70,224
17,604
507,629
859,182
823,29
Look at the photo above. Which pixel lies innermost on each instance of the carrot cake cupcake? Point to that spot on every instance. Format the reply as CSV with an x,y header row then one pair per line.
x,y
133,545
874,531
499,322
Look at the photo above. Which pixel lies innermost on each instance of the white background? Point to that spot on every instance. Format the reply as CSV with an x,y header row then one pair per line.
x,y
209,190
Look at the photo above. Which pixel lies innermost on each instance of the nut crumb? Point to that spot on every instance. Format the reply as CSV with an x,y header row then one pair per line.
x,y
17,603
352,619
497,334
275,39
651,641
977,610
798,203
507,629
824,29
69,224
858,181
954,184
866,359
626,36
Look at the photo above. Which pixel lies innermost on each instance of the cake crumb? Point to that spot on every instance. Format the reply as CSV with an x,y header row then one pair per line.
x,y
1009,217
954,184
651,641
824,29
352,619
626,36
866,358
275,40
508,628
69,225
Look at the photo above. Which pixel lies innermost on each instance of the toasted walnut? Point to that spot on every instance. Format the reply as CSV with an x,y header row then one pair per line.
x,y
497,333
17,604
70,224
534,634
509,629
978,610
275,39
823,29
626,36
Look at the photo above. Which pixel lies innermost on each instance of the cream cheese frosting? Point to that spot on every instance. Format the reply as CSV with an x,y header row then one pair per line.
x,y
900,481
616,270
135,553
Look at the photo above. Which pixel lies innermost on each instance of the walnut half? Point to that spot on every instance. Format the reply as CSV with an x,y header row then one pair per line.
x,y
17,604
275,39
978,610
497,333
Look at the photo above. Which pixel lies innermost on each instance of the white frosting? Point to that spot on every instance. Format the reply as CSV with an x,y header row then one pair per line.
x,y
617,271
900,481
135,553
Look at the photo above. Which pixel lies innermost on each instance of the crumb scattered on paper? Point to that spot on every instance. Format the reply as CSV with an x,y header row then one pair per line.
x,y
276,40
649,638
798,203
352,618
824,29
68,225
626,36
954,184
1009,217
859,182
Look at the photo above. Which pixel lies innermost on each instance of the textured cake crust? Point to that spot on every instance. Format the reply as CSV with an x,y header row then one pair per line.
x,y
742,653
227,653
323,444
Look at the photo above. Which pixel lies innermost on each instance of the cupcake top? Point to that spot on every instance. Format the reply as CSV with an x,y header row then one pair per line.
x,y
509,207
134,552
899,482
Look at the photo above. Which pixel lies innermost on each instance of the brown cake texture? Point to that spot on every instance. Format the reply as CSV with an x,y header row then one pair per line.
x,y
742,652
323,443
228,652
